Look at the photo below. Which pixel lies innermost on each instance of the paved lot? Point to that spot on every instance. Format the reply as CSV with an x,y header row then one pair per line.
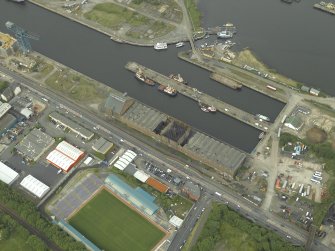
x,y
45,173
64,207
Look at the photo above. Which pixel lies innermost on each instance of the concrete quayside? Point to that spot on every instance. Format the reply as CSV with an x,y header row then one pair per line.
x,y
200,97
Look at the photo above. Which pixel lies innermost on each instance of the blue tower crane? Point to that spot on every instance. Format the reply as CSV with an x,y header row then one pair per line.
x,y
22,36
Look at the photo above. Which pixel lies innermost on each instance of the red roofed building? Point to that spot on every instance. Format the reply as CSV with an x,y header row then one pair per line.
x,y
157,185
65,156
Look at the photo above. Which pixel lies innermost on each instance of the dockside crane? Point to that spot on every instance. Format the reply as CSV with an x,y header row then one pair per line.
x,y
22,36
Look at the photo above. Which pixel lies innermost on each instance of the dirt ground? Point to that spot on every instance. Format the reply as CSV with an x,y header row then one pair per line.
x,y
316,135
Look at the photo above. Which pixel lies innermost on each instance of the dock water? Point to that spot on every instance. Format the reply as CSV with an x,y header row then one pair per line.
x,y
198,96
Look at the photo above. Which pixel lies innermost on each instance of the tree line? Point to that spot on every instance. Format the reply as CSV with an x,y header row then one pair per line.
x,y
223,223
26,209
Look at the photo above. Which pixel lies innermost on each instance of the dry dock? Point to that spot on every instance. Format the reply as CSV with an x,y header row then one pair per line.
x,y
226,81
198,96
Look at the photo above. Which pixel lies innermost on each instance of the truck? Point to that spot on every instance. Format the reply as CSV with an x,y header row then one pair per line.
x,y
218,194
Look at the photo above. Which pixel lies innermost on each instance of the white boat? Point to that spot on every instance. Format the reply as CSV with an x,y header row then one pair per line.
x,y
204,109
180,44
224,34
160,46
262,117
211,108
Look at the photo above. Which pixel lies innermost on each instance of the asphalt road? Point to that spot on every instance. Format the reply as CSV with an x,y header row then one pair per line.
x,y
235,201
188,224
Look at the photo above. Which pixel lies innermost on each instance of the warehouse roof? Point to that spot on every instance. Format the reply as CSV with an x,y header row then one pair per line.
x,y
102,146
7,175
157,185
4,108
69,150
35,144
141,176
218,152
34,186
125,160
60,160
71,125
176,221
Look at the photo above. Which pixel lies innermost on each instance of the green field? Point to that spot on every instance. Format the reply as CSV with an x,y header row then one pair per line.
x,y
112,225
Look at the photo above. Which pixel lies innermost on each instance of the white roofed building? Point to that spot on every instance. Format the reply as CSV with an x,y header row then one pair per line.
x,y
69,150
7,174
141,176
125,160
34,186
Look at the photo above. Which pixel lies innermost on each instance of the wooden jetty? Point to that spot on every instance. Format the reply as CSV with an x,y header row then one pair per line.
x,y
201,97
226,81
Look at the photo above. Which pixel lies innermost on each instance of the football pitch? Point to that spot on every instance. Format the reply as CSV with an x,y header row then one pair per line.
x,y
112,225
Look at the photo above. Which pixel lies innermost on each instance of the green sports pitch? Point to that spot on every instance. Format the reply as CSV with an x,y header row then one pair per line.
x,y
112,225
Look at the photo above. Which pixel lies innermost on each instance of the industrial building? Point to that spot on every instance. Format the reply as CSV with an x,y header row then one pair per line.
x,y
145,116
225,158
117,103
102,146
125,160
191,190
8,45
65,156
176,221
141,176
4,108
294,122
34,186
7,122
27,113
137,197
7,174
34,145
7,94
71,125
159,186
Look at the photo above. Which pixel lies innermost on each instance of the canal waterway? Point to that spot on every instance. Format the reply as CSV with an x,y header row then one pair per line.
x,y
294,39
95,55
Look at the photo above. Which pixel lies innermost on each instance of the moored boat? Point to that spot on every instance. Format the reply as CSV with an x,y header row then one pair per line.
x,y
160,46
262,117
207,108
140,76
168,90
204,109
180,44
178,78
225,34
211,108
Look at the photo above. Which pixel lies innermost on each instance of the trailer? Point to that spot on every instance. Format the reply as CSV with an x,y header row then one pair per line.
x,y
308,190
271,88
301,188
284,185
